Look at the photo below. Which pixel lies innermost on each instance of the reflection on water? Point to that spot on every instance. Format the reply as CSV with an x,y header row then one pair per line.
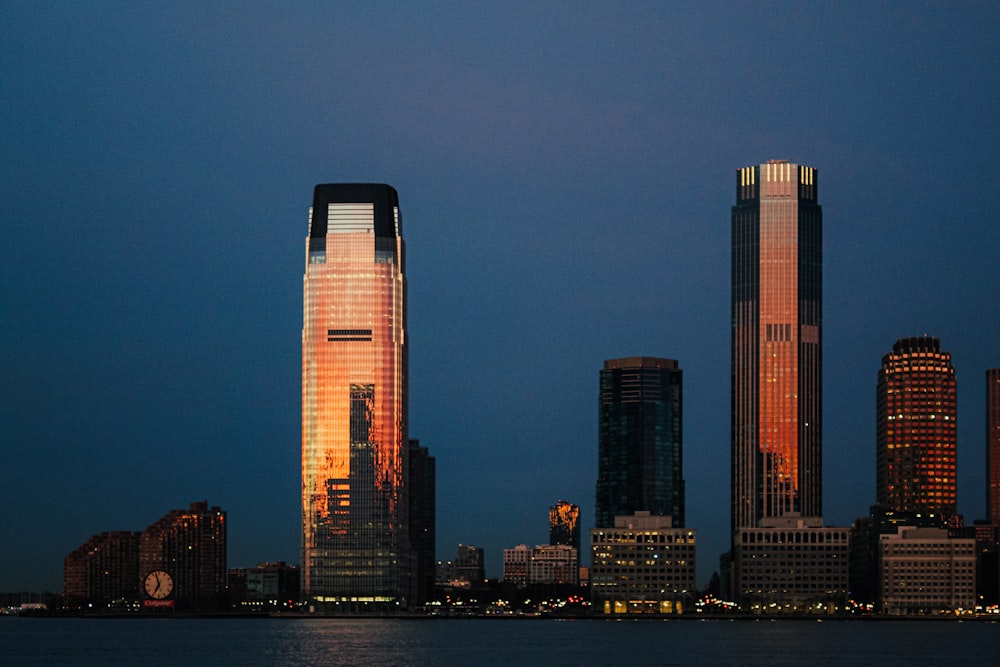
x,y
491,642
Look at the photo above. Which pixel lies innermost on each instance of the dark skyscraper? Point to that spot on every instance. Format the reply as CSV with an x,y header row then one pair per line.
x,y
993,445
777,279
564,525
916,429
355,539
639,440
423,520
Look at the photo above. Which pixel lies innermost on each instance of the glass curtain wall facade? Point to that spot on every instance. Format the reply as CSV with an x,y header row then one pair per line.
x,y
355,545
777,247
639,440
916,429
993,446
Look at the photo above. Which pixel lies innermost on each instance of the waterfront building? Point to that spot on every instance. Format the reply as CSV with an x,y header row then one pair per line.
x,y
865,544
639,440
924,571
642,565
916,429
190,546
777,242
554,564
564,524
543,564
515,564
423,521
993,446
103,572
470,564
791,565
355,524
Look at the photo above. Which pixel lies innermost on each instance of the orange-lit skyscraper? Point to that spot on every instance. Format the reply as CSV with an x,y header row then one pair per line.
x,y
916,429
355,546
993,446
777,298
564,524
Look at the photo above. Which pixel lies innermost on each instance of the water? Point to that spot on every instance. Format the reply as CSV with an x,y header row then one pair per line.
x,y
480,642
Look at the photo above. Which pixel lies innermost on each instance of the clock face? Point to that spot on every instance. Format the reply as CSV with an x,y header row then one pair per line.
x,y
159,584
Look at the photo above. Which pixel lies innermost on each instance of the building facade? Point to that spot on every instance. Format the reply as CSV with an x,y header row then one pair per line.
x,y
777,242
564,524
993,446
792,566
640,466
642,565
470,564
923,571
355,540
103,572
916,429
423,520
544,564
190,546
515,564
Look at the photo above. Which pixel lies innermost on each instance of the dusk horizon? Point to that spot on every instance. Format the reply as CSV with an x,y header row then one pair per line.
x,y
566,180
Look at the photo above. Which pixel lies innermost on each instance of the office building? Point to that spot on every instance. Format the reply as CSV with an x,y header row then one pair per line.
x,y
924,571
355,525
993,446
515,564
639,440
564,524
791,566
470,564
544,564
190,547
642,565
777,299
423,521
554,564
916,429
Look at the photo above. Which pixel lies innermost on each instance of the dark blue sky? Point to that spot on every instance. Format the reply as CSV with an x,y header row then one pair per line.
x,y
565,174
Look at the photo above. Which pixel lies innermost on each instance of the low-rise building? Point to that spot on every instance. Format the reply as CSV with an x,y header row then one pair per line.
x,y
642,565
791,565
924,571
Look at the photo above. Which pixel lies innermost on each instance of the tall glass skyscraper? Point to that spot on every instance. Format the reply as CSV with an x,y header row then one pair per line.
x,y
639,447
355,545
777,282
916,429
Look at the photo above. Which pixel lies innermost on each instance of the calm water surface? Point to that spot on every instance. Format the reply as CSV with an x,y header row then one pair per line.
x,y
472,642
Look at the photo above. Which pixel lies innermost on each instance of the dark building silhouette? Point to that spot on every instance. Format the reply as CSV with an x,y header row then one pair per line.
x,y
640,466
190,546
422,493
916,429
564,525
993,446
355,525
470,564
777,299
103,572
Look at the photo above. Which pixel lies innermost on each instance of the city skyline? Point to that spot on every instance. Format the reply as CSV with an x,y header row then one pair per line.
x,y
567,195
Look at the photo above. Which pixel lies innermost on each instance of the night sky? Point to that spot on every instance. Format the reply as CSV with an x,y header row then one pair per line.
x,y
566,174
